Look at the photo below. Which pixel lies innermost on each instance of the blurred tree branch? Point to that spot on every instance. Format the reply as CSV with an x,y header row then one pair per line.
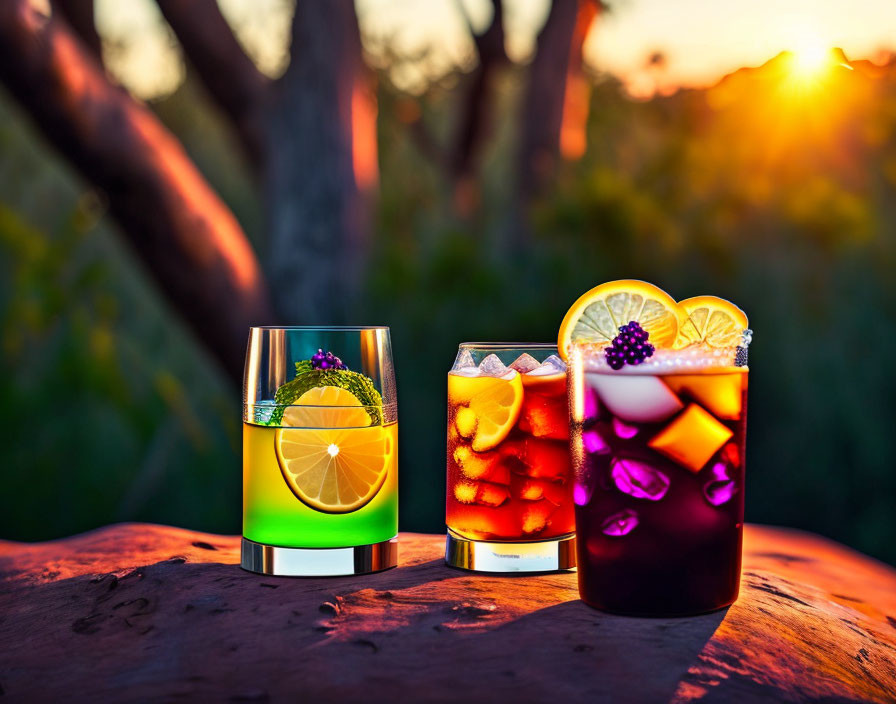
x,y
231,78
79,15
184,234
310,136
558,58
475,110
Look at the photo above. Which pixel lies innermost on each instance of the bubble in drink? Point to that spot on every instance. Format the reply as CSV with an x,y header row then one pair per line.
x,y
621,523
639,479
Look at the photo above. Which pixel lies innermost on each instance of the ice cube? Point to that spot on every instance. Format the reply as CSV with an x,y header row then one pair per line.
x,y
551,365
492,366
692,438
621,523
637,399
536,516
465,421
594,443
482,493
531,489
731,454
719,491
524,363
486,466
580,494
639,479
720,471
263,410
541,459
544,416
485,522
592,407
464,359
624,430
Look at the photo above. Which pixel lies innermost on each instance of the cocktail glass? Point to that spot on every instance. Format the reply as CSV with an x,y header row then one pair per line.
x,y
658,451
509,495
320,451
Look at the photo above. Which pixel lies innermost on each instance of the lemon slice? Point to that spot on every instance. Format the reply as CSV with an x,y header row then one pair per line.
x,y
597,315
326,407
334,470
489,409
713,320
332,458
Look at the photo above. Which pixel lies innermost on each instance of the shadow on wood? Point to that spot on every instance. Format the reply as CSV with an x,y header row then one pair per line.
x,y
136,612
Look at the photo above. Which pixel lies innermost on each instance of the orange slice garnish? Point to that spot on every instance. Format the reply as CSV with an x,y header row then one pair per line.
x,y
332,459
713,320
595,318
487,407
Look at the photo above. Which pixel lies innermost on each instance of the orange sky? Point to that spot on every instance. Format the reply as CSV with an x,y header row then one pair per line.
x,y
701,39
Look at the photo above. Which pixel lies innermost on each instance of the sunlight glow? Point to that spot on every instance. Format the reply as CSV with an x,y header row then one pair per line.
x,y
811,56
333,450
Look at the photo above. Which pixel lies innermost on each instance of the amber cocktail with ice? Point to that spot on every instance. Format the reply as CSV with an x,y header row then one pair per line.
x,y
509,492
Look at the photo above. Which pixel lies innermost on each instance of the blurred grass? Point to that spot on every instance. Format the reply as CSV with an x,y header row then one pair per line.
x,y
785,205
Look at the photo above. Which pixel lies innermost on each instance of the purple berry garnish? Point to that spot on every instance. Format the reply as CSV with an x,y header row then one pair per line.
x,y
326,360
630,346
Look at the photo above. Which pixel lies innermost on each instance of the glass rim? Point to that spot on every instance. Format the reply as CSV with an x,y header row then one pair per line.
x,y
308,405
507,345
677,371
321,328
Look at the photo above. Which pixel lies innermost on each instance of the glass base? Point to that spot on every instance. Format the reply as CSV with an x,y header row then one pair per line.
x,y
484,556
318,562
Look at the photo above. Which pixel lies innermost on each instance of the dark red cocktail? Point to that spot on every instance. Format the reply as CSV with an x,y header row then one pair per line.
x,y
659,462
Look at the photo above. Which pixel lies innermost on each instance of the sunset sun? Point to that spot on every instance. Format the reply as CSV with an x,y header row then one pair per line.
x,y
811,56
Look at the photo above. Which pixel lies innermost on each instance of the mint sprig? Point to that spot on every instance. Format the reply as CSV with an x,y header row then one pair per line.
x,y
307,378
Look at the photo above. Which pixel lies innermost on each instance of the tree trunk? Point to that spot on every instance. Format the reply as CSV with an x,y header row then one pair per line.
x,y
188,239
542,110
318,238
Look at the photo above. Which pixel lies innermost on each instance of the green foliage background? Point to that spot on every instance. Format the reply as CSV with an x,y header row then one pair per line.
x,y
110,410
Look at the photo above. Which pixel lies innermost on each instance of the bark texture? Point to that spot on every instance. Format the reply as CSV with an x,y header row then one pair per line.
x,y
558,50
79,15
474,124
188,239
317,230
139,612
228,74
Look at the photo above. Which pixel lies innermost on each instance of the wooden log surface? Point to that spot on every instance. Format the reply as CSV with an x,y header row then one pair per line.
x,y
142,612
